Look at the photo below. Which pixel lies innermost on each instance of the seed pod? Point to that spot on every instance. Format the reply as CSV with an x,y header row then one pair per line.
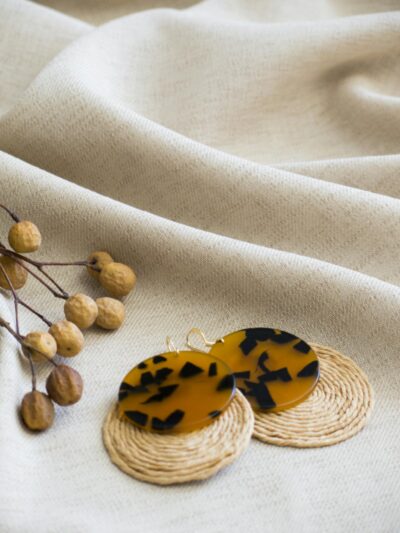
x,y
81,310
118,279
17,274
64,385
111,313
69,338
37,411
24,237
100,260
42,345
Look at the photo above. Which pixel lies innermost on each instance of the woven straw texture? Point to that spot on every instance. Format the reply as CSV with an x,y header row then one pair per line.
x,y
338,408
169,459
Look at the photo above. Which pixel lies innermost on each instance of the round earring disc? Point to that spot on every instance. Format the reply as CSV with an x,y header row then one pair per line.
x,y
275,370
176,392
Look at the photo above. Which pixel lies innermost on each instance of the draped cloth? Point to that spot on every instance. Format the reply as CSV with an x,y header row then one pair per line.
x,y
243,157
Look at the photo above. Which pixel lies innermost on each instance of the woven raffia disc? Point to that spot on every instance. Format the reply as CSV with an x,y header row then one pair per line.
x,y
337,409
168,459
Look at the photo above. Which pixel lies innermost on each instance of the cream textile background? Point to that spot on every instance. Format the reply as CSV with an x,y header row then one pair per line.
x,y
243,156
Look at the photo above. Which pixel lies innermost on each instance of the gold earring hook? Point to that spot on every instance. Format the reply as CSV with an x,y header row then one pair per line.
x,y
170,345
198,331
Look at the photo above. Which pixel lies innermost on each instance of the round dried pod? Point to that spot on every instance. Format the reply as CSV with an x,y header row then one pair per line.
x,y
24,237
99,260
118,279
16,272
64,385
69,338
42,345
81,310
111,313
37,411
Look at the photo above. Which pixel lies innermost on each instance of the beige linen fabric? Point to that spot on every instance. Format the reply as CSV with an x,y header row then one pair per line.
x,y
243,157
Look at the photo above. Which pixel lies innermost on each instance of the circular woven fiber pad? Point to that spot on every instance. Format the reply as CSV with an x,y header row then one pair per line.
x,y
337,409
169,459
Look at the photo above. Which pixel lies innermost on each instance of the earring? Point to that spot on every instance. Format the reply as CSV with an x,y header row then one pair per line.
x,y
176,391
275,370
302,395
179,418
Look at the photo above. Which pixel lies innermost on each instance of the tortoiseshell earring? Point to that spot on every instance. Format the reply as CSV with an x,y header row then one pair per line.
x,y
275,370
180,418
176,391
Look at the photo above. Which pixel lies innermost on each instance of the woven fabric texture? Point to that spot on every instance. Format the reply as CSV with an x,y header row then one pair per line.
x,y
243,157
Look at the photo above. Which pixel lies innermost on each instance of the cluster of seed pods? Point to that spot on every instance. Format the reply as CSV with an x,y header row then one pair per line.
x,y
63,338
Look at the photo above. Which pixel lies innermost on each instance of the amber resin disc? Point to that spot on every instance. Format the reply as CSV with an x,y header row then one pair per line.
x,y
176,392
275,370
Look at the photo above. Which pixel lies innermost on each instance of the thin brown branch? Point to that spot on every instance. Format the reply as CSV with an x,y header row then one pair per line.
x,y
28,354
13,215
66,263
53,281
15,297
22,260
18,300
64,295
39,264
26,351
32,310
25,347
6,325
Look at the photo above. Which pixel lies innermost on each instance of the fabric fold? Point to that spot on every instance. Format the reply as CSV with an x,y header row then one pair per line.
x,y
243,157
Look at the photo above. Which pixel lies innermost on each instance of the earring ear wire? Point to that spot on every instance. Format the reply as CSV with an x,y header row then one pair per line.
x,y
170,345
198,331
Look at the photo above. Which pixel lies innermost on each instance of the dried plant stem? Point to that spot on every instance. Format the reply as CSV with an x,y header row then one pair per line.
x,y
66,263
20,259
26,351
20,339
13,215
32,310
32,367
17,334
15,298
6,325
18,300
64,295
53,281
40,264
